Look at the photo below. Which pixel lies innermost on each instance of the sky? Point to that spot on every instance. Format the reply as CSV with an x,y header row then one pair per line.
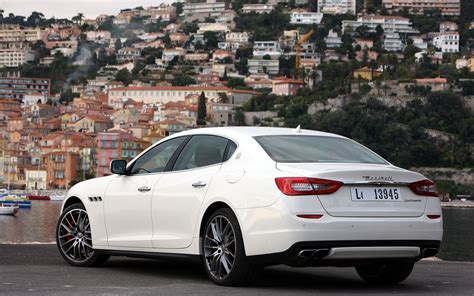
x,y
70,8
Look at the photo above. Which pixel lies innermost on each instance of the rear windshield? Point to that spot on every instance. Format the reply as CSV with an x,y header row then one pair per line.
x,y
299,148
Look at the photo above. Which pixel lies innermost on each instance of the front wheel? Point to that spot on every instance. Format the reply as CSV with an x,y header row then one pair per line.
x,y
223,250
74,238
385,273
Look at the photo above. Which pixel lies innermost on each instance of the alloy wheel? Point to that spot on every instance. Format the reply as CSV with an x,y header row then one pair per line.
x,y
220,247
74,236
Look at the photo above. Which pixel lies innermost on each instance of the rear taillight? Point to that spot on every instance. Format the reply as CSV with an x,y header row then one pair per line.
x,y
306,186
425,187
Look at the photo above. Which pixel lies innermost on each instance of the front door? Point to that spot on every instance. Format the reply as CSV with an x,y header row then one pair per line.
x,y
128,198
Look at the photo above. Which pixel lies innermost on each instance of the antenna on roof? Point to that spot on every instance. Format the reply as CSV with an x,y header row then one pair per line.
x,y
298,129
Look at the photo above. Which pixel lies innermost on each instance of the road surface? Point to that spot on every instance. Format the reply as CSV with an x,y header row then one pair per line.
x,y
39,270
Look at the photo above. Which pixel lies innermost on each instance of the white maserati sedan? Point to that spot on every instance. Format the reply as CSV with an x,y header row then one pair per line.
x,y
241,198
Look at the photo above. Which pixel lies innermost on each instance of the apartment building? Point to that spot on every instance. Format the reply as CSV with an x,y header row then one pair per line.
x,y
387,22
14,33
11,58
164,94
16,88
128,54
333,40
447,42
116,145
263,66
447,7
210,7
61,168
263,48
337,6
306,18
392,42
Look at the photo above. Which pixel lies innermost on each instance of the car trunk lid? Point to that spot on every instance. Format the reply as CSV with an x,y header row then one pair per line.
x,y
368,180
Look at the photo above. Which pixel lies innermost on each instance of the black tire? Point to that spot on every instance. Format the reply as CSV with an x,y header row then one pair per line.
x,y
242,271
86,255
385,273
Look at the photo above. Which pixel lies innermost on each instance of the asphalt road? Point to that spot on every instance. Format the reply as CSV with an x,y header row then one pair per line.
x,y
39,270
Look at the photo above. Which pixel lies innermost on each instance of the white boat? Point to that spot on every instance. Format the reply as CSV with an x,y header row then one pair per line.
x,y
8,210
56,197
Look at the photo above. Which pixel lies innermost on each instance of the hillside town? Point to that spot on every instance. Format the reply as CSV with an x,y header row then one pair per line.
x,y
78,93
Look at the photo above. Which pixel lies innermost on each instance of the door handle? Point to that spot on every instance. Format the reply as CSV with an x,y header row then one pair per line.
x,y
144,189
199,184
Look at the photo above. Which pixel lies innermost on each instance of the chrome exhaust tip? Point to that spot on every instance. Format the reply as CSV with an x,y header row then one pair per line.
x,y
429,252
313,253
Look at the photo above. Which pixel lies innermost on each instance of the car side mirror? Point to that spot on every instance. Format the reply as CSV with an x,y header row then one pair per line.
x,y
119,167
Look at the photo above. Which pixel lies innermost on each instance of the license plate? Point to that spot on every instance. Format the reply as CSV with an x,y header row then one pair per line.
x,y
375,194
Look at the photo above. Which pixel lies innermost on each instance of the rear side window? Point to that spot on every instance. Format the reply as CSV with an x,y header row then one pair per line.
x,y
201,151
297,148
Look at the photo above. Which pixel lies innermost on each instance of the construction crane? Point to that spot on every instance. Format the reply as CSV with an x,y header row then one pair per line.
x,y
298,44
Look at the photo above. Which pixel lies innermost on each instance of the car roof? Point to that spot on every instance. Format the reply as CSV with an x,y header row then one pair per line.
x,y
244,131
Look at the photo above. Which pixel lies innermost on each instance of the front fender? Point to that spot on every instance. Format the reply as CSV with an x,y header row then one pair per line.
x,y
91,193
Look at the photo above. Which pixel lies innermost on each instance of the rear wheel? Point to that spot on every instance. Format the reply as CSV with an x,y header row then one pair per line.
x,y
74,238
223,250
385,273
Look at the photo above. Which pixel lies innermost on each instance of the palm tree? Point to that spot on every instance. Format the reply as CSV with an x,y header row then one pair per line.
x,y
78,18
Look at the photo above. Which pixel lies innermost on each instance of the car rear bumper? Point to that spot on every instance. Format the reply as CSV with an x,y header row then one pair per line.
x,y
277,228
349,253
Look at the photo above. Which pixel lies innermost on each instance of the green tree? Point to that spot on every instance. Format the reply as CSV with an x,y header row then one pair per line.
x,y
124,76
235,82
202,112
183,80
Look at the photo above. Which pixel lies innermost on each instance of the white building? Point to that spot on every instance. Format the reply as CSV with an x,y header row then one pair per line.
x,y
214,27
32,98
420,43
257,8
242,37
170,53
263,66
35,179
337,6
333,40
306,18
229,45
392,42
210,7
99,36
447,42
263,48
387,22
15,57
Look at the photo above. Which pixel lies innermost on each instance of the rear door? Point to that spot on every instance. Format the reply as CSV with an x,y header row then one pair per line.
x,y
180,193
368,190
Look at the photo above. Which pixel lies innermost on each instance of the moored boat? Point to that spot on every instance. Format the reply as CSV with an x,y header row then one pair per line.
x,y
8,210
38,197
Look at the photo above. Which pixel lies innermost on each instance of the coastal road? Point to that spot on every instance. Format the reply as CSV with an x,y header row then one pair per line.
x,y
39,270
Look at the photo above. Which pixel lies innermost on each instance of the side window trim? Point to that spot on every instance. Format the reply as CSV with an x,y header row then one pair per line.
x,y
180,147
177,153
